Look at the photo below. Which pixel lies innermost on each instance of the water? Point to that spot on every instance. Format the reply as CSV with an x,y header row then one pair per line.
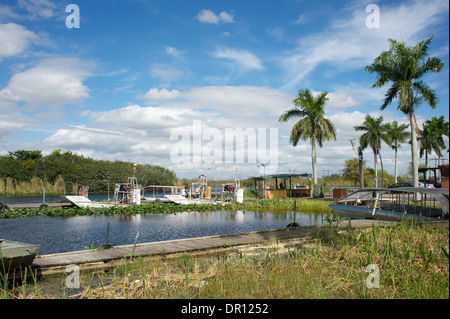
x,y
63,234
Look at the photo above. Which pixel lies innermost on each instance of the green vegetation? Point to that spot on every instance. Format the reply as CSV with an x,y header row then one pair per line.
x,y
312,125
28,172
432,137
374,132
396,134
404,68
336,263
303,205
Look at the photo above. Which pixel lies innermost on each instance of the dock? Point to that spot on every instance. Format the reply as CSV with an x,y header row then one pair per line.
x,y
84,202
54,262
86,258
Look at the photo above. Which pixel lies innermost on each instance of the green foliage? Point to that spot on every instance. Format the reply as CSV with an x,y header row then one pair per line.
x,y
71,169
303,205
351,171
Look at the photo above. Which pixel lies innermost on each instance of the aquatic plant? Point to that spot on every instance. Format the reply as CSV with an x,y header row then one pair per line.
x,y
412,262
303,205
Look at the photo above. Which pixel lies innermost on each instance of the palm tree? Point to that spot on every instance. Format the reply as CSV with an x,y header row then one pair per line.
x,y
395,135
312,124
374,133
431,138
440,127
404,66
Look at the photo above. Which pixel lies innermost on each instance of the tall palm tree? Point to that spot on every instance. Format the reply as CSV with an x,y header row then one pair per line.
x,y
396,135
374,133
312,124
431,138
404,66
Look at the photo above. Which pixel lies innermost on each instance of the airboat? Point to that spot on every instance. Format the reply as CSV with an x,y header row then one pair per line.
x,y
395,204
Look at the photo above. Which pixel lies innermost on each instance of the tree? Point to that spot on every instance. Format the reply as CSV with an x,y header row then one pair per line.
x,y
404,66
351,170
27,164
431,138
374,134
312,124
395,135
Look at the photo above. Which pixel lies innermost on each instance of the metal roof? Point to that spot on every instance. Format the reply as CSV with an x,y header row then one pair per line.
x,y
282,176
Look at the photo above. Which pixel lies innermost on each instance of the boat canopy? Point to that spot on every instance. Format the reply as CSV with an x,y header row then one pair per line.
x,y
367,194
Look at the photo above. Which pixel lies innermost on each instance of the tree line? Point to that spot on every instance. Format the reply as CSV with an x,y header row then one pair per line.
x,y
69,169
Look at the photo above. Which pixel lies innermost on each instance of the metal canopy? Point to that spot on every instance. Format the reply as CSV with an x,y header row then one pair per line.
x,y
284,177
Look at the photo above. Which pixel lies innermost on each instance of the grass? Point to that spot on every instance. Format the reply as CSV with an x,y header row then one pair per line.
x,y
412,261
303,205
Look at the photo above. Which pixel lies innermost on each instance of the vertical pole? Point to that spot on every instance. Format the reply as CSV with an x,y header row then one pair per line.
x,y
107,235
290,187
295,209
361,175
135,242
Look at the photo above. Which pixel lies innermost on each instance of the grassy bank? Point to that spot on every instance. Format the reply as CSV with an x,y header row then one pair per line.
x,y
35,186
303,205
412,263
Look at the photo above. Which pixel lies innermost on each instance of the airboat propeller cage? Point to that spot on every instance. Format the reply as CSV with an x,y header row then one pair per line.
x,y
129,192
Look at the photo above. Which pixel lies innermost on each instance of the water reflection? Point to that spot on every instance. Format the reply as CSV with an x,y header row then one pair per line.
x,y
62,234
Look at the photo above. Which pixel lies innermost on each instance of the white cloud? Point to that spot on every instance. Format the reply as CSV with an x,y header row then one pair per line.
x,y
349,44
97,141
302,19
240,103
10,122
53,81
144,120
173,52
208,16
226,17
145,131
38,8
155,94
14,39
30,9
243,58
165,72
142,133
341,99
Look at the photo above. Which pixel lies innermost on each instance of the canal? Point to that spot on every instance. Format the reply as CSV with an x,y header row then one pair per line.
x,y
64,234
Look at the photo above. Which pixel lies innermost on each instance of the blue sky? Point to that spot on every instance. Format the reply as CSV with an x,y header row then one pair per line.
x,y
136,72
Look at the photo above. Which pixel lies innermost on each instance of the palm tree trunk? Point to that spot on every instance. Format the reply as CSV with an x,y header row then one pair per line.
x,y
382,170
395,165
375,164
314,167
414,148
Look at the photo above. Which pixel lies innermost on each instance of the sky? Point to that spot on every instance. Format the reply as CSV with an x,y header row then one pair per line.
x,y
198,86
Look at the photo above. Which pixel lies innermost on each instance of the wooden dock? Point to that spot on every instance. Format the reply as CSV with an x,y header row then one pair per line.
x,y
59,261
187,245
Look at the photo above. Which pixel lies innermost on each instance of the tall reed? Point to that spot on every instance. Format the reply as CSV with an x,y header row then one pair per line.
x,y
34,186
412,260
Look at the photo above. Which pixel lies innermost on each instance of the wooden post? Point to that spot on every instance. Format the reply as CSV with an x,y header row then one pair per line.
x,y
135,242
107,234
290,187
